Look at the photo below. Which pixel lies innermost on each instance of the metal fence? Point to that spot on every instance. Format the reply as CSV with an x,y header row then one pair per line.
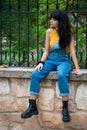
x,y
23,24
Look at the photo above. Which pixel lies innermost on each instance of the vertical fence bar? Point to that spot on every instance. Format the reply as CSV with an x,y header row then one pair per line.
x,y
37,21
76,27
0,32
28,8
47,8
57,4
10,31
67,5
86,42
19,32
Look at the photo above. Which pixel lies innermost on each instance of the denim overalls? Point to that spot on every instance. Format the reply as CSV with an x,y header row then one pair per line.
x,y
59,61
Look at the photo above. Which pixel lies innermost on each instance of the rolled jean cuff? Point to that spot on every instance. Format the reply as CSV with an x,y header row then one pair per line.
x,y
64,94
34,93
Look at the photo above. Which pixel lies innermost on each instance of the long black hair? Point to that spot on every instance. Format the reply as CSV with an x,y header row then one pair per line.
x,y
64,27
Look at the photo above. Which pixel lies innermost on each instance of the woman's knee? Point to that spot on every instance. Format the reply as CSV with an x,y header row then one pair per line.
x,y
34,74
61,76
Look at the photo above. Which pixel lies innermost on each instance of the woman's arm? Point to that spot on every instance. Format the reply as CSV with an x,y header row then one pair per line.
x,y
46,50
74,58
47,45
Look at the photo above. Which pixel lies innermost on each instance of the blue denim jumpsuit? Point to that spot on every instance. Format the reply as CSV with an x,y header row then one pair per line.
x,y
59,61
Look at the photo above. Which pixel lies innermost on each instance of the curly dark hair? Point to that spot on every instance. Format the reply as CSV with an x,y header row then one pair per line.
x,y
64,28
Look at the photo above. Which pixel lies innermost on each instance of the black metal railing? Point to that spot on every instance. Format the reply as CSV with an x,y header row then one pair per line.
x,y
23,24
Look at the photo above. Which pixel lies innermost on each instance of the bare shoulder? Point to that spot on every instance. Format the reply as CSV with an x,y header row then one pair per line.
x,y
48,31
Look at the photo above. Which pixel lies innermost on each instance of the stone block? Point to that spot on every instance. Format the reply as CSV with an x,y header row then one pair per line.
x,y
8,104
58,104
31,124
78,121
46,99
15,117
4,122
81,97
57,91
52,120
72,89
72,106
22,104
16,126
4,86
47,83
20,87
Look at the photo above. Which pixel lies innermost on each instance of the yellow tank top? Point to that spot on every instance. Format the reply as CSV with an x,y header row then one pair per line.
x,y
54,41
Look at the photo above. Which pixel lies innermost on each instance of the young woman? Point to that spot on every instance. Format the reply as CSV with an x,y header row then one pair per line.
x,y
59,45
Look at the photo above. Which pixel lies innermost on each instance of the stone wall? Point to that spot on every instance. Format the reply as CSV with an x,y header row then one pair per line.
x,y
14,85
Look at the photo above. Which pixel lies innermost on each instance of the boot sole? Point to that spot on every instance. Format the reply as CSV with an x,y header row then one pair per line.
x,y
28,116
64,120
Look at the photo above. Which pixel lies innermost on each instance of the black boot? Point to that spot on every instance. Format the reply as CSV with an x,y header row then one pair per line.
x,y
31,110
65,113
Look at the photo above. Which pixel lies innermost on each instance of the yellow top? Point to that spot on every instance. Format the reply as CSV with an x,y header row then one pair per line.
x,y
54,41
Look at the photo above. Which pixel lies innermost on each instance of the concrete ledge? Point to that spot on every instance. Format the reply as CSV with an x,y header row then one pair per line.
x,y
20,72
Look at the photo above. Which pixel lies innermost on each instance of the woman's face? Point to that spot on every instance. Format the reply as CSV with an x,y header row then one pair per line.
x,y
54,23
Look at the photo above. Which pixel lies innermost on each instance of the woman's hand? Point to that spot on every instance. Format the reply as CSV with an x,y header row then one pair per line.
x,y
39,67
78,72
